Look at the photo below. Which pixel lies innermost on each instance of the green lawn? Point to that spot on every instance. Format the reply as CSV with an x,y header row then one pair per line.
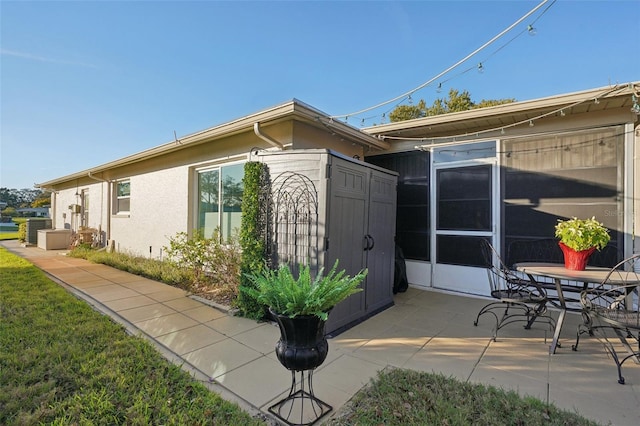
x,y
407,397
8,236
61,362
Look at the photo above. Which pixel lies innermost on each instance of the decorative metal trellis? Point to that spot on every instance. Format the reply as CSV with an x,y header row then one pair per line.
x,y
294,216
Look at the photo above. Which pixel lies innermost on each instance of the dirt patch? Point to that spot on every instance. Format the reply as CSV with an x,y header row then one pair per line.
x,y
222,295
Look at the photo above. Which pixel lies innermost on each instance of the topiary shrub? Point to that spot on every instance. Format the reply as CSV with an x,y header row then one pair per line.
x,y
22,232
253,236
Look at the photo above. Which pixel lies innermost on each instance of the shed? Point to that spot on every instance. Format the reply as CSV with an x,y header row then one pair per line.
x,y
330,207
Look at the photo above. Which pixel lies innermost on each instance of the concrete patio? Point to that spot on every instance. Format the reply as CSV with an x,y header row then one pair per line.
x,y
425,330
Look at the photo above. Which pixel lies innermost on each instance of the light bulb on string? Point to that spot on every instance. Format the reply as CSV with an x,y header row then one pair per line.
x,y
531,30
530,123
562,114
480,68
439,89
635,108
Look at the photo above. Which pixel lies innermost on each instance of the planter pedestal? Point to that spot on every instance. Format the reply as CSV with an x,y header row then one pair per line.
x,y
301,406
302,347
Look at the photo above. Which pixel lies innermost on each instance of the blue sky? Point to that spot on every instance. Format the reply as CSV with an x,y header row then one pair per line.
x,y
86,82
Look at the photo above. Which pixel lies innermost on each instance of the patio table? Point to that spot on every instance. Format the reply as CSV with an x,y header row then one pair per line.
x,y
565,280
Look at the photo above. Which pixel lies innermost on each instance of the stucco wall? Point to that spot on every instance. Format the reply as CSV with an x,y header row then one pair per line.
x,y
158,210
636,196
64,218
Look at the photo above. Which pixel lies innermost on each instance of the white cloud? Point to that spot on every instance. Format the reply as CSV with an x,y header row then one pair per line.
x,y
32,57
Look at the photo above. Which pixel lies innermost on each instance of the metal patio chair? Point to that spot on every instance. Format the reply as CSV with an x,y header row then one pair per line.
x,y
611,314
519,299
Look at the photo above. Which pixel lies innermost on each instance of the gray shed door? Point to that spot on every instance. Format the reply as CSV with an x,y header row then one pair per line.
x,y
381,231
347,223
361,222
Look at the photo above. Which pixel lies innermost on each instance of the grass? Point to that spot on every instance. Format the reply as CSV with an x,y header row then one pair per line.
x,y
8,236
64,363
154,269
219,287
407,397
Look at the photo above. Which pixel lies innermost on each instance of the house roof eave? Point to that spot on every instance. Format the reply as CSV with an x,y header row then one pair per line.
x,y
293,109
470,118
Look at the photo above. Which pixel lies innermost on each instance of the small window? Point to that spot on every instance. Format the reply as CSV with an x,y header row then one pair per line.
x,y
123,196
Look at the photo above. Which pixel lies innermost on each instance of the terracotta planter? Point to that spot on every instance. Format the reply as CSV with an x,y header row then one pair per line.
x,y
302,345
575,260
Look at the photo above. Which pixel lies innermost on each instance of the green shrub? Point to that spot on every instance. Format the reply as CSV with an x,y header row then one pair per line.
x,y
22,232
193,253
253,236
213,262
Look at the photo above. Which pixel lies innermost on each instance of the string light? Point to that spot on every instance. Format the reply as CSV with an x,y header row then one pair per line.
x,y
529,121
573,147
635,108
531,30
562,114
439,89
425,84
480,68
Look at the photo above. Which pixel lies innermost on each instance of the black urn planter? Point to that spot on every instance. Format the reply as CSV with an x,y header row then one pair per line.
x,y
302,347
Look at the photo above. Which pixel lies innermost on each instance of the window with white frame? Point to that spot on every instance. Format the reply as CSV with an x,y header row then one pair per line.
x,y
123,196
219,196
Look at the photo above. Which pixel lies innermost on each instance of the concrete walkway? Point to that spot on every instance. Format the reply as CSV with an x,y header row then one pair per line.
x,y
425,330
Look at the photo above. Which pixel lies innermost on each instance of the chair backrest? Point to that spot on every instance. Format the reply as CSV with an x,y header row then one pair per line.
x,y
488,256
500,276
626,275
530,250
617,293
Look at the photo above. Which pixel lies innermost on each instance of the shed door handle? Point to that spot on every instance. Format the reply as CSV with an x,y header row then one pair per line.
x,y
369,243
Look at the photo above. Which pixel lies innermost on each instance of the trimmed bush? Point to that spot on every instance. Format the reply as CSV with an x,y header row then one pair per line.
x,y
253,236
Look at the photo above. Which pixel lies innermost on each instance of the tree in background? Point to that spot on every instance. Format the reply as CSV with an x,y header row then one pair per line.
x,y
42,200
457,101
21,198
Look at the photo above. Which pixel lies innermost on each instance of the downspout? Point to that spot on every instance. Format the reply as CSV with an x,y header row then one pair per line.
x,y
267,139
108,182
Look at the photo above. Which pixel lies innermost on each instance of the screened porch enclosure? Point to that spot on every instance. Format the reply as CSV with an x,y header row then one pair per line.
x,y
539,179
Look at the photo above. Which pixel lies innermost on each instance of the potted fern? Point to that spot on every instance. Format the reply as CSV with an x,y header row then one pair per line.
x,y
301,307
579,238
